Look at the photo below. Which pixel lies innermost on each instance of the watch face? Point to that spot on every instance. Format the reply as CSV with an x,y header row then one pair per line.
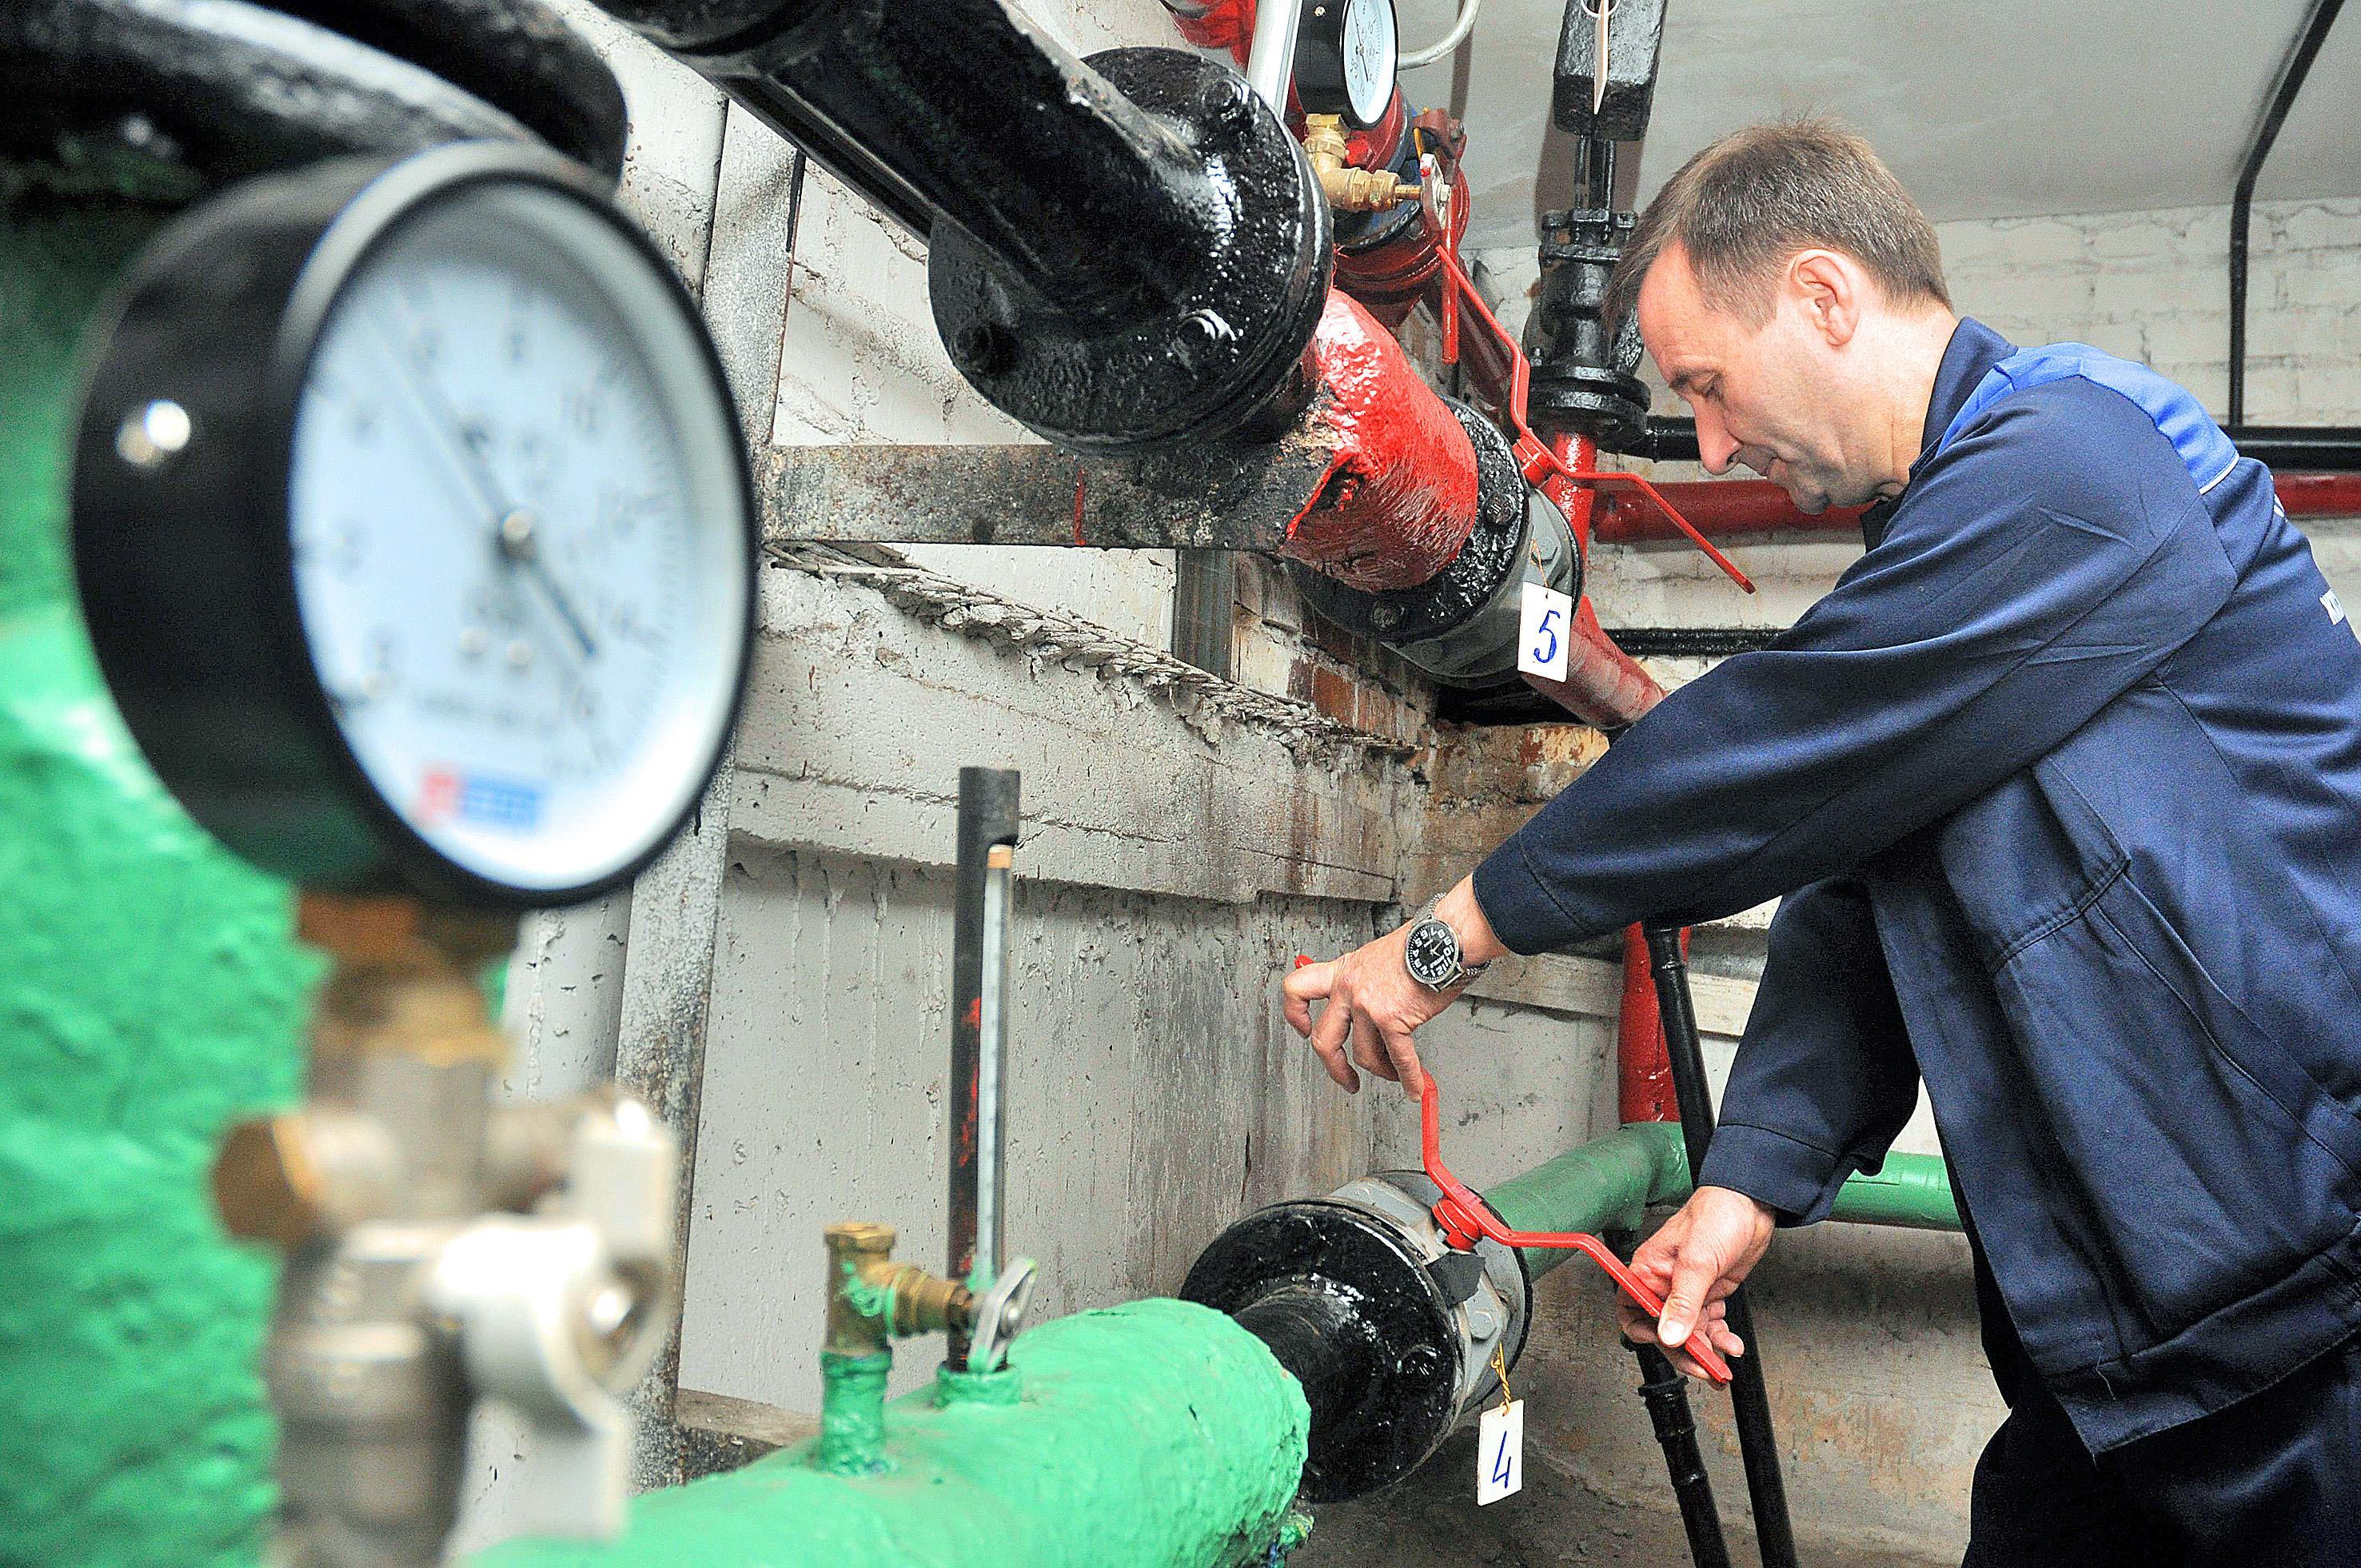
x,y
518,537
1432,953
1371,55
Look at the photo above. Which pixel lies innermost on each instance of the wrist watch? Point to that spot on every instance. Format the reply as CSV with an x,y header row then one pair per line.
x,y
1432,954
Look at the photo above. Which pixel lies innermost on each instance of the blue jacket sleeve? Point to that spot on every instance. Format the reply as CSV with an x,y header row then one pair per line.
x,y
1825,1077
2047,560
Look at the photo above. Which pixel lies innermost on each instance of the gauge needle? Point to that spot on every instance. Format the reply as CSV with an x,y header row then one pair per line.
x,y
517,545
512,527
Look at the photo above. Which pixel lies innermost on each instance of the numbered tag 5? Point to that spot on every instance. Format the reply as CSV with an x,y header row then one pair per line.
x,y
1546,620
1500,1447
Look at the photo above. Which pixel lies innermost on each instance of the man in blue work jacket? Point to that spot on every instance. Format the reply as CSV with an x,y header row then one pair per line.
x,y
2062,785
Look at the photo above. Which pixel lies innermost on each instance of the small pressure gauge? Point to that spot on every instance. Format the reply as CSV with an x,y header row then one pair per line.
x,y
413,528
1346,56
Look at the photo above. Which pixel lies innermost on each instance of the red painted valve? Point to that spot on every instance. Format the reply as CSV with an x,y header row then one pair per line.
x,y
1464,1217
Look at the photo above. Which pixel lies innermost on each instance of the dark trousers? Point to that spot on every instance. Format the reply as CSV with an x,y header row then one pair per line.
x,y
2275,1479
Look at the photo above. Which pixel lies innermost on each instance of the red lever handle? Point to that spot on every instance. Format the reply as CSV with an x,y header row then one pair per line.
x,y
1464,1217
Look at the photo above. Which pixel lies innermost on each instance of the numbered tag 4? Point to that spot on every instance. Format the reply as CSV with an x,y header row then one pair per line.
x,y
1542,629
1500,1447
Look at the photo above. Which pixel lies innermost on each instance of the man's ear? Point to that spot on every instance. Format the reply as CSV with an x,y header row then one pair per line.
x,y
1829,284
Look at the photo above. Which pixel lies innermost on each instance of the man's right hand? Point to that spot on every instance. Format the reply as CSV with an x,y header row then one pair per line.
x,y
1702,1253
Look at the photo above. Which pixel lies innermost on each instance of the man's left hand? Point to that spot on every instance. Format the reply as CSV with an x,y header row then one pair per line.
x,y
1374,1004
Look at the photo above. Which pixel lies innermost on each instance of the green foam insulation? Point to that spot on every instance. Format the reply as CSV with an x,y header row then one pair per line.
x,y
1156,1434
150,992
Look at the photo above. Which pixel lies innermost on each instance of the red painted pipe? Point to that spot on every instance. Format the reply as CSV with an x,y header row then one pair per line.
x,y
1216,24
1720,508
1644,1066
1604,685
2319,495
1723,508
1400,496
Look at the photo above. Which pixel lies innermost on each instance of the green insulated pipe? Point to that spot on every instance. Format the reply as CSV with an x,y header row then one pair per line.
x,y
1607,1183
1156,1434
150,991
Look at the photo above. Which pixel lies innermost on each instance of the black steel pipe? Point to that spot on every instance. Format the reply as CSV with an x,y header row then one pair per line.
x,y
2292,448
1758,1445
2293,71
1314,1333
1126,254
962,110
1666,1394
987,816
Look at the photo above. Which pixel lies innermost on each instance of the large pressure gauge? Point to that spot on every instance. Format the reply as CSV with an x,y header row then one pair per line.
x,y
1347,54
413,528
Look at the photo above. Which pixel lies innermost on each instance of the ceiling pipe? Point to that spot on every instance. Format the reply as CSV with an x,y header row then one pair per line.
x,y
2292,72
1126,254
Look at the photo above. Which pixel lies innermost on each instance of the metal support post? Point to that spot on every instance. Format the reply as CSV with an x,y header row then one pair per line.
x,y
980,905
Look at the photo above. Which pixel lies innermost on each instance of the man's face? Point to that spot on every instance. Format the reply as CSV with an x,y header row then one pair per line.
x,y
1774,397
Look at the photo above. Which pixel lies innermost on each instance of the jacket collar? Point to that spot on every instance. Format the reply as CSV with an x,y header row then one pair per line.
x,y
1974,349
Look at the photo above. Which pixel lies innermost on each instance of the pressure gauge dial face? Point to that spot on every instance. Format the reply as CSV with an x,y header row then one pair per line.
x,y
502,528
1371,54
1347,55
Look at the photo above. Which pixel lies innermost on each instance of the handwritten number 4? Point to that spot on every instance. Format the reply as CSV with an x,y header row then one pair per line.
x,y
1501,1466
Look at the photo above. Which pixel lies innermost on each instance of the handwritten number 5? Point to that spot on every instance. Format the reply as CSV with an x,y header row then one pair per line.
x,y
1545,650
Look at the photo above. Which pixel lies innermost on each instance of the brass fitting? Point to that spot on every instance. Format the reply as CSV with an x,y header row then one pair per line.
x,y
1350,190
289,1178
872,1298
404,980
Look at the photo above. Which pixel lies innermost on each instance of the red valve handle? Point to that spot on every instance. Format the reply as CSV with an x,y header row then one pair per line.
x,y
1464,1217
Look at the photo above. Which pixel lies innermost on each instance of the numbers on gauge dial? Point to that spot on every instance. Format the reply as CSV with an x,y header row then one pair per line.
x,y
492,549
1370,48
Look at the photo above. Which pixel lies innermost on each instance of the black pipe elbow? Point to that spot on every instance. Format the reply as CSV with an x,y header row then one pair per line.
x,y
1126,253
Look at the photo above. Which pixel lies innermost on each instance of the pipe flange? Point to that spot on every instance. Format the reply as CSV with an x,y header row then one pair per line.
x,y
1607,406
1467,596
1397,1322
159,104
1193,368
1505,1267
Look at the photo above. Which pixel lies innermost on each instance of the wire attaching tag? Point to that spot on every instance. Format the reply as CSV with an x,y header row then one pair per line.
x,y
1500,1370
1500,1453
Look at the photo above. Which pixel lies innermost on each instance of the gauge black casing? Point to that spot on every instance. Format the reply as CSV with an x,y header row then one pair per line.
x,y
1321,78
185,563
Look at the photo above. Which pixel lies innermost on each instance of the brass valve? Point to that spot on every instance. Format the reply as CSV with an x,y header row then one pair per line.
x,y
1350,190
871,1298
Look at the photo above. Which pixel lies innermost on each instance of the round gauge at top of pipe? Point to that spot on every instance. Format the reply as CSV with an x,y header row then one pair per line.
x,y
413,528
1347,53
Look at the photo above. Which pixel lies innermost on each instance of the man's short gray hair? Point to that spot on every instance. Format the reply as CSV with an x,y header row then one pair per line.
x,y
1755,197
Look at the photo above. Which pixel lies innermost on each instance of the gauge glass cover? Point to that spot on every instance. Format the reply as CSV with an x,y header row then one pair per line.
x,y
518,536
1372,54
